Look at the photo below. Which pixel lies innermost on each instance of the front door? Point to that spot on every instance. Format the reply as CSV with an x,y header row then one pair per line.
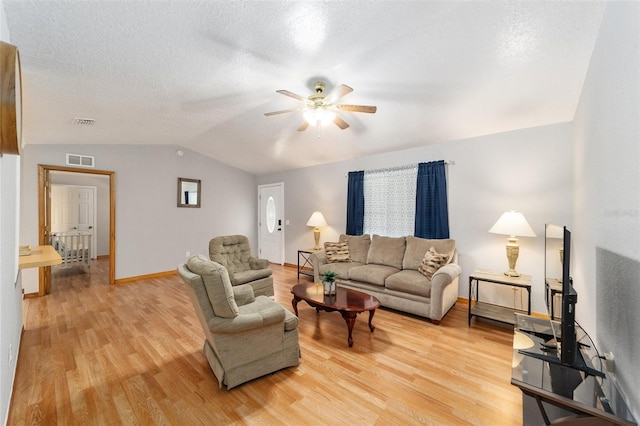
x,y
270,222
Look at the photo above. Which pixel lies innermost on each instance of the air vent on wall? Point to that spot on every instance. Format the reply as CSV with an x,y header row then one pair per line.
x,y
83,121
80,160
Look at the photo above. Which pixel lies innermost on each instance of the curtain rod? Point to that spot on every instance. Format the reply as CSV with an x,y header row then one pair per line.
x,y
406,166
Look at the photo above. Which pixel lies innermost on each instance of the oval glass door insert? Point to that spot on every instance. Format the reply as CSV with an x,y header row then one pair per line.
x,y
270,213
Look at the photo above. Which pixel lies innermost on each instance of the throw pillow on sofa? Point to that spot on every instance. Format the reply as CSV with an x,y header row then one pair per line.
x,y
417,247
337,252
358,246
431,262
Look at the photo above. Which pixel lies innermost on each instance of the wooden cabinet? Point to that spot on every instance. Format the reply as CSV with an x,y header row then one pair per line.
x,y
11,100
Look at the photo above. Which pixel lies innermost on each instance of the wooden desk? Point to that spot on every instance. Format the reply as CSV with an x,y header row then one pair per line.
x,y
40,256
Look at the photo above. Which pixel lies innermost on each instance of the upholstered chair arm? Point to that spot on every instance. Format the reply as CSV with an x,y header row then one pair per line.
x,y
448,272
257,263
246,322
318,259
243,294
444,290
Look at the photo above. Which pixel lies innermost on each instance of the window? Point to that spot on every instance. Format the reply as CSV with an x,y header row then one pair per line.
x,y
390,201
400,201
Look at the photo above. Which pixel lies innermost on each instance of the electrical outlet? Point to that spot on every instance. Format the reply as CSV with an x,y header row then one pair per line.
x,y
188,254
609,362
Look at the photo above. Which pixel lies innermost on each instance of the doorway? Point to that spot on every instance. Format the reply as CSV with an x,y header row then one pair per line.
x,y
44,217
74,208
270,222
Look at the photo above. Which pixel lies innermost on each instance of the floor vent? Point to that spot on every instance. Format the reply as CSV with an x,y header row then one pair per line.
x,y
81,160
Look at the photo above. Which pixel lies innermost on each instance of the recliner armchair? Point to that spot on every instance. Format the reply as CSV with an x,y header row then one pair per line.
x,y
247,336
234,253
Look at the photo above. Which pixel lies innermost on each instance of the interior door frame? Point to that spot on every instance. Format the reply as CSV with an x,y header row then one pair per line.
x,y
44,217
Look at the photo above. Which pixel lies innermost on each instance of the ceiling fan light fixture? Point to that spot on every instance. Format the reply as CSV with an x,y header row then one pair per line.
x,y
319,116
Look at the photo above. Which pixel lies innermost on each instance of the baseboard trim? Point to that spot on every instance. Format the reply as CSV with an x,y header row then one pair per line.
x,y
145,277
15,372
30,295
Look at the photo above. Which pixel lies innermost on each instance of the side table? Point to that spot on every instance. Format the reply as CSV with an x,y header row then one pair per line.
x,y
491,311
304,261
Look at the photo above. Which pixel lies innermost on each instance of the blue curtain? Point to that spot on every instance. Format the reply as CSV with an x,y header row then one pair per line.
x,y
432,214
355,203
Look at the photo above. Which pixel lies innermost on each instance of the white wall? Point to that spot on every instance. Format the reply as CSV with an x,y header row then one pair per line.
x,y
10,288
528,170
606,234
152,234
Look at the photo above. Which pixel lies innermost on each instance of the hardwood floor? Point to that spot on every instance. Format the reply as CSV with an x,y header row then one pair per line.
x,y
132,354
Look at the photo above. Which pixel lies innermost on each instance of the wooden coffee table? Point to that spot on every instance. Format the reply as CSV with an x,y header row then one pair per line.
x,y
348,302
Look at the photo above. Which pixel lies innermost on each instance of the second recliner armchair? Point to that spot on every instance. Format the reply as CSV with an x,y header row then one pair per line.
x,y
234,253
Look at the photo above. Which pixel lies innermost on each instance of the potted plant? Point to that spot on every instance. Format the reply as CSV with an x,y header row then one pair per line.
x,y
329,282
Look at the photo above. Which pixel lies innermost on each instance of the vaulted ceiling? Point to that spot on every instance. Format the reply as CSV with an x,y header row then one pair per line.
x,y
202,74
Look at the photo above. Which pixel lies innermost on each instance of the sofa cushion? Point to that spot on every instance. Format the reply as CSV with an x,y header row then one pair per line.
x,y
218,286
387,251
431,262
417,247
358,246
340,268
409,281
337,252
372,274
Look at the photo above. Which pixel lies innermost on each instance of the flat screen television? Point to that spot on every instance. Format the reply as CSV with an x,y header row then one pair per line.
x,y
559,285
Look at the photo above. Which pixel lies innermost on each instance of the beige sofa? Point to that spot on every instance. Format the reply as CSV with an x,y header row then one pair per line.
x,y
388,268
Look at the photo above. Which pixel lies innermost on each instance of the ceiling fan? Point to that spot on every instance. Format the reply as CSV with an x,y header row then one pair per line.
x,y
320,108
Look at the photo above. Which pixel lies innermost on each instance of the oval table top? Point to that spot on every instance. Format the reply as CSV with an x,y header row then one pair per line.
x,y
346,300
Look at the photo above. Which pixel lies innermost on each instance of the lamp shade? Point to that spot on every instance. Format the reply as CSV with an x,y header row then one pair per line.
x,y
554,231
514,224
316,219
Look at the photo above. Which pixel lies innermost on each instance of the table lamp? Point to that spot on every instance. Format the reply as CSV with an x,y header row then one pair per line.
x,y
317,220
515,225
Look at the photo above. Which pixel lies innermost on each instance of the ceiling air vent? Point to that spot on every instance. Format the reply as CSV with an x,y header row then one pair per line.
x,y
81,160
83,121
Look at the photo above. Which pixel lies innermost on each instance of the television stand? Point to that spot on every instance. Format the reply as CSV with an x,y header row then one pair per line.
x,y
553,393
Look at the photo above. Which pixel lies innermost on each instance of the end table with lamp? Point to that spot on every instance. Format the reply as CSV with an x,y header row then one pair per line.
x,y
305,267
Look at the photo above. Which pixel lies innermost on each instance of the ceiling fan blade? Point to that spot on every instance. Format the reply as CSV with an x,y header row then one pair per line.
x,y
303,126
337,93
340,122
358,108
292,95
282,111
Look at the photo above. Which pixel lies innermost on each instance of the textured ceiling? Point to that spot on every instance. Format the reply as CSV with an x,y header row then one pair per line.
x,y
201,74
